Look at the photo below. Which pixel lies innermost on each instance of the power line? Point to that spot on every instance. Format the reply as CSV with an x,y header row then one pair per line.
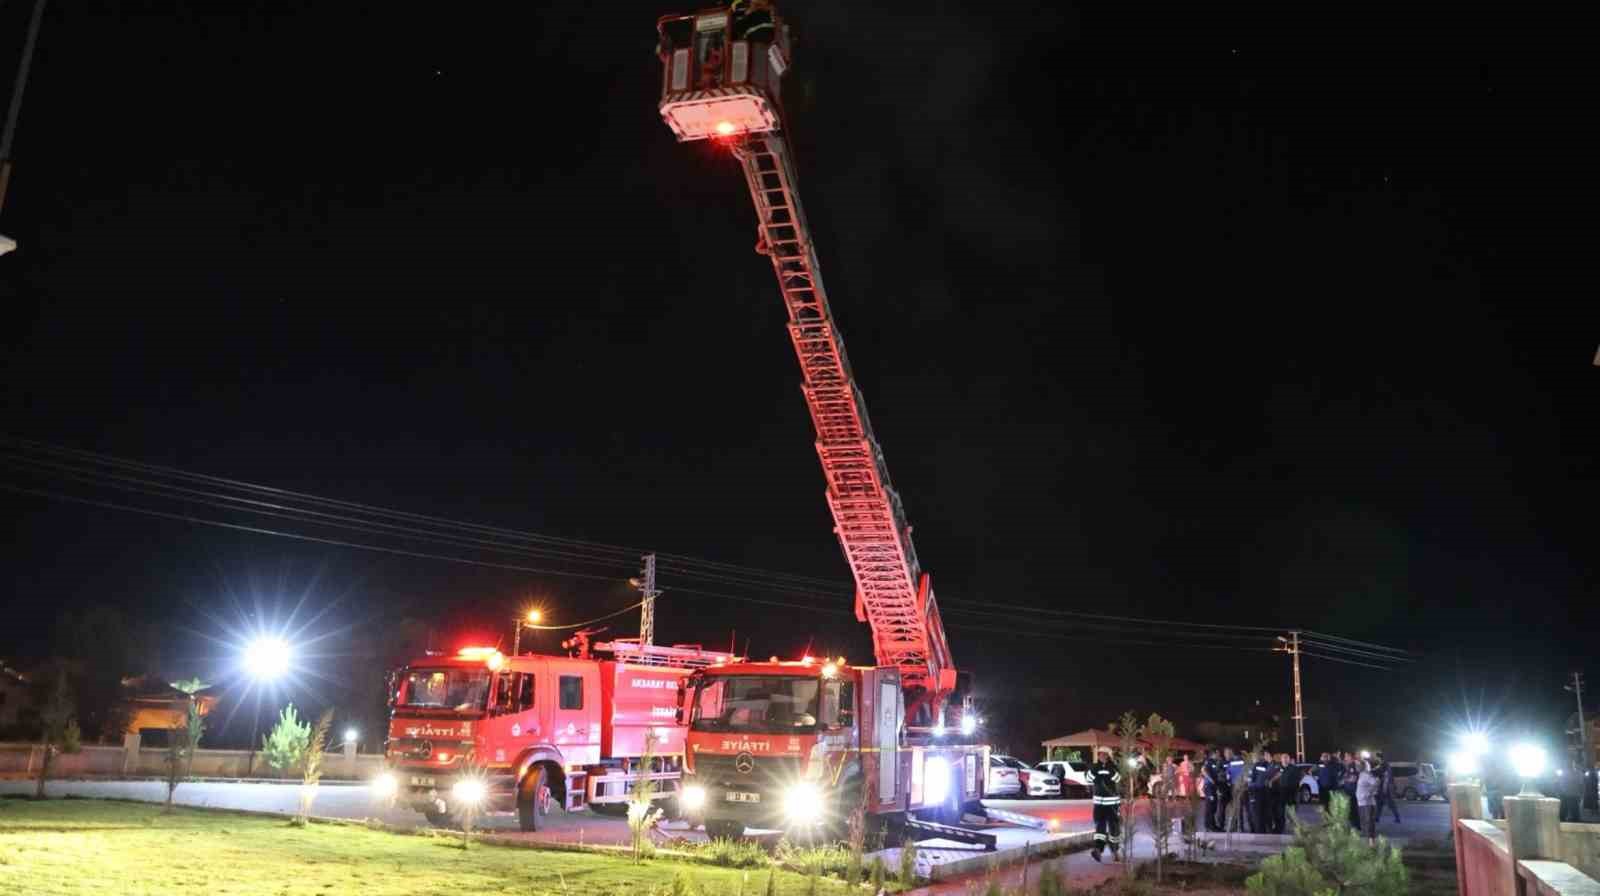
x,y
1353,641
1334,659
1356,651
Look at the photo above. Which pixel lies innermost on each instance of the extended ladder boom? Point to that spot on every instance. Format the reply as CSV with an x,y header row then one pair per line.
x,y
720,81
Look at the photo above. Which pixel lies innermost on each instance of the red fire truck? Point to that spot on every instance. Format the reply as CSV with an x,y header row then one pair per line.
x,y
814,742
569,730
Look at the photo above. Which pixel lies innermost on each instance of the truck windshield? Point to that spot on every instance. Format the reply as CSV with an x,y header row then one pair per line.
x,y
463,690
763,704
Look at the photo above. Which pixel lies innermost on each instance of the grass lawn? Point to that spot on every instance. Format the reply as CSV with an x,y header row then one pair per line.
x,y
101,847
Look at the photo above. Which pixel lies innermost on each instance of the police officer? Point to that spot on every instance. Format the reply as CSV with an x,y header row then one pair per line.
x,y
1105,780
1215,774
1260,773
1235,765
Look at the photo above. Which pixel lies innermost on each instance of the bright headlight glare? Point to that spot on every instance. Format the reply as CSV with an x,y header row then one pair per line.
x,y
935,781
1464,763
469,790
1528,760
969,724
385,784
1477,743
802,803
693,797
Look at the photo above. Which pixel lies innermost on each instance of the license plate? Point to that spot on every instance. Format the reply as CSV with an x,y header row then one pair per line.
x,y
736,797
421,782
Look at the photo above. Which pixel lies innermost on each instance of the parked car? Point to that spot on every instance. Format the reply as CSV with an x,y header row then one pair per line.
x,y
1309,792
1416,780
1004,780
1035,782
1074,776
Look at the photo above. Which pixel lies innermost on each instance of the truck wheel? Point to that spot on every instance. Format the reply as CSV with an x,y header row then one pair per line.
x,y
533,799
724,830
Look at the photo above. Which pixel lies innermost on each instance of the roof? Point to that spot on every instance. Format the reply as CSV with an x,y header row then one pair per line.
x,y
1094,738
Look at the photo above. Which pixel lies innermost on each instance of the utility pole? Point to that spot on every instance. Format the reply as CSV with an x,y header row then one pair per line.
x,y
1291,646
647,607
1583,727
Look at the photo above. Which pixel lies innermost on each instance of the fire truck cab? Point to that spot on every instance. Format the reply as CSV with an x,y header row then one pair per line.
x,y
803,746
536,730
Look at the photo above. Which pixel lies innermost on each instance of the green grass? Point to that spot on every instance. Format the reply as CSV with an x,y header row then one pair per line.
x,y
100,847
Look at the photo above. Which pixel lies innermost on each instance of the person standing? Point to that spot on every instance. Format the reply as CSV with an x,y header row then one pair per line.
x,y
1214,773
1368,782
1386,789
1236,790
1288,791
1352,778
1327,779
1105,782
1260,772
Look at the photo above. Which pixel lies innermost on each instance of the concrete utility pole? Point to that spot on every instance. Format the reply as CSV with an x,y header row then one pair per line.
x,y
1291,646
647,608
1583,727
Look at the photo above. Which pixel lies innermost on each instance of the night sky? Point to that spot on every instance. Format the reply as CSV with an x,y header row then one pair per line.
x,y
1204,321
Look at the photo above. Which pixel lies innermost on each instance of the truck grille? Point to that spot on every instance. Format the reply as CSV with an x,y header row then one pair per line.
x,y
769,771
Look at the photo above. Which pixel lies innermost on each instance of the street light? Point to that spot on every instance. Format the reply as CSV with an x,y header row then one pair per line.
x,y
266,659
351,735
532,617
1528,762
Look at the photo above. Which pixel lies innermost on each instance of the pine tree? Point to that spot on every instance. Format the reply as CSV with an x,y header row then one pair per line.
x,y
1332,859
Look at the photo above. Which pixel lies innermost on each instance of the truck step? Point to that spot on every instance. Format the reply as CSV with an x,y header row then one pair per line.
x,y
928,830
1016,818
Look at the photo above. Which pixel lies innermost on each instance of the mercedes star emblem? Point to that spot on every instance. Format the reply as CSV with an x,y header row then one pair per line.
x,y
745,763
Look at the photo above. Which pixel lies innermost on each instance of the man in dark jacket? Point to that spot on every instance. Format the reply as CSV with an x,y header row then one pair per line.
x,y
1327,779
1215,773
1105,787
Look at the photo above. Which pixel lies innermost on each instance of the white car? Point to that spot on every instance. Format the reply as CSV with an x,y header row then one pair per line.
x,y
1004,780
1035,782
1074,775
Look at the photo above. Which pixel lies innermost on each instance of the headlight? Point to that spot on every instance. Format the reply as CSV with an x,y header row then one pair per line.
x,y
692,797
935,781
969,723
385,785
802,803
470,791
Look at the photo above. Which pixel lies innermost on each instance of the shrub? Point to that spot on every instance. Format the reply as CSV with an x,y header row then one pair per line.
x,y
1332,859
733,853
908,862
284,747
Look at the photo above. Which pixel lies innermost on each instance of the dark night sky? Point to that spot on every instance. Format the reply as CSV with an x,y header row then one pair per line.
x,y
1191,320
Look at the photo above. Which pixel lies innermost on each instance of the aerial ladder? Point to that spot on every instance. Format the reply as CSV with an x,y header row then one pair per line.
x,y
722,69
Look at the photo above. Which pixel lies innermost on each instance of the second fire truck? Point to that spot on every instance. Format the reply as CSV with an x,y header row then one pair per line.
x,y
814,742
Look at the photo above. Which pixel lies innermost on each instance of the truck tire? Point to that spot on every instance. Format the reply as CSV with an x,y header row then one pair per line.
x,y
722,829
533,799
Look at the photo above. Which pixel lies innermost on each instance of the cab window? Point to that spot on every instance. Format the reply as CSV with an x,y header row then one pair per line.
x,y
838,702
572,692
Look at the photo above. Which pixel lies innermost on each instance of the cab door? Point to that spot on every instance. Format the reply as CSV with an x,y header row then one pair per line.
x,y
571,694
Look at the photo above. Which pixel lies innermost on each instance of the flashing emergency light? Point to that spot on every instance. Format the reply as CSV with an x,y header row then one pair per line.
x,y
829,670
938,729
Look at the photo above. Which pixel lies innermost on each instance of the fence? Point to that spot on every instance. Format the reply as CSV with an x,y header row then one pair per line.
x,y
1531,853
132,760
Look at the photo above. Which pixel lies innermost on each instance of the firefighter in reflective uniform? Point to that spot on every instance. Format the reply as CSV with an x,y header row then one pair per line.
x,y
1215,772
1105,779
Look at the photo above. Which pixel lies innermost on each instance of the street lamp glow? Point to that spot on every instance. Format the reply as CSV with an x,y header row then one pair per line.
x,y
351,735
534,616
267,658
